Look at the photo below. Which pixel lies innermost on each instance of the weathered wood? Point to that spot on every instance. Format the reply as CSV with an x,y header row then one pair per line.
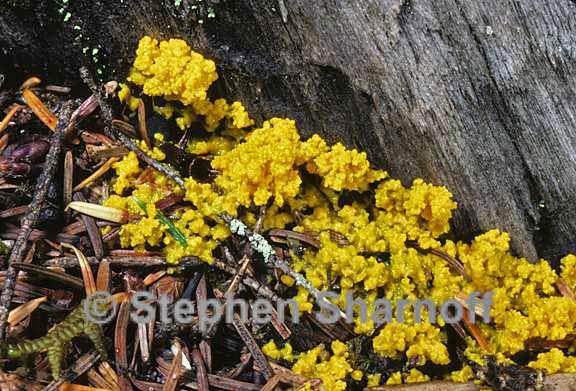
x,y
475,95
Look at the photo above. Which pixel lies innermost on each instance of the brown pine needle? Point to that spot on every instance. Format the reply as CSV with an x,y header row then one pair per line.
x,y
564,289
4,123
175,371
201,374
78,387
20,313
99,211
100,378
475,331
463,300
153,277
103,169
142,124
3,142
103,276
31,82
109,374
39,109
271,384
87,276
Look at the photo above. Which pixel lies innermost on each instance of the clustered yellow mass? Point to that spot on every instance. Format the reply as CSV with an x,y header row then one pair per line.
x,y
271,165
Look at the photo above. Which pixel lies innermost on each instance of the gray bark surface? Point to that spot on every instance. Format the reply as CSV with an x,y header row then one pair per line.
x,y
478,96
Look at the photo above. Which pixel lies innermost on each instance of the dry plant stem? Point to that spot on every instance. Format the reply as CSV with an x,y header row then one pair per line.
x,y
124,261
230,292
31,217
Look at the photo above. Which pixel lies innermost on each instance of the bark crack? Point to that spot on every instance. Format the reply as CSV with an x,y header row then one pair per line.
x,y
503,111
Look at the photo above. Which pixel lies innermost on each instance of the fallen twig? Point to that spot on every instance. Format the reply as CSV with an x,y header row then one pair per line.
x,y
30,219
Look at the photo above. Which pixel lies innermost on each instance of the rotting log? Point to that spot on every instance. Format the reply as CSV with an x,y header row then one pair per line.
x,y
478,96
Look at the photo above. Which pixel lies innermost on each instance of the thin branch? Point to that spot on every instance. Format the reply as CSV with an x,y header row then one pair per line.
x,y
124,140
261,245
31,217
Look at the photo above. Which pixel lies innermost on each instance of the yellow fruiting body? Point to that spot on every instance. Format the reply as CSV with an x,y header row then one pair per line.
x,y
331,369
344,169
569,270
172,70
374,379
263,167
366,245
554,361
463,375
271,350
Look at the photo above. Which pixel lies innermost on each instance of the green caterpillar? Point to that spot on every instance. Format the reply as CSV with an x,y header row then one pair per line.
x,y
57,340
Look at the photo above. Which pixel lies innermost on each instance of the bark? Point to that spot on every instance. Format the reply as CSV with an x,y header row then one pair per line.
x,y
474,95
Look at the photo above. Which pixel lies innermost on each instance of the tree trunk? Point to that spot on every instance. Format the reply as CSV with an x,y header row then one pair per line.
x,y
475,95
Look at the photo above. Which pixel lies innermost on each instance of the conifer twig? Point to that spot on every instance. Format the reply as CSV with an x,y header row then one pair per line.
x,y
261,246
121,137
31,217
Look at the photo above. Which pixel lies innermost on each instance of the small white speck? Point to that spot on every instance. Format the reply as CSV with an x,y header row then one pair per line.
x,y
489,30
95,51
67,16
